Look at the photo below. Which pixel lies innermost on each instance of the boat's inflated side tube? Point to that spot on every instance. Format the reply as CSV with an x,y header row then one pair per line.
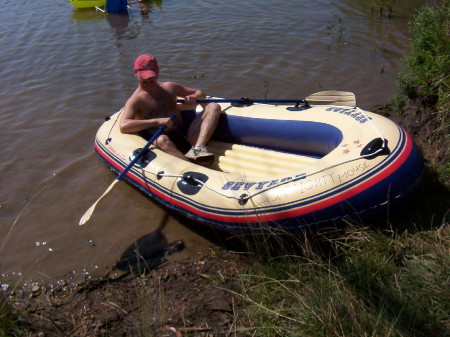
x,y
298,137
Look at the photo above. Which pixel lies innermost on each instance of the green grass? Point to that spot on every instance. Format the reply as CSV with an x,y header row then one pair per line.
x,y
424,85
427,65
360,282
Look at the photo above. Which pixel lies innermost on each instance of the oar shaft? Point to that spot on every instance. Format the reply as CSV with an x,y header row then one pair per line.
x,y
246,100
138,155
329,97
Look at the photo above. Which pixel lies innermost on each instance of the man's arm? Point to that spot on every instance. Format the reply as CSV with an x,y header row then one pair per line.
x,y
189,94
130,123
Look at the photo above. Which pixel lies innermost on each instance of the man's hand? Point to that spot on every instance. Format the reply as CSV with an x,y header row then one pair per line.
x,y
190,99
168,122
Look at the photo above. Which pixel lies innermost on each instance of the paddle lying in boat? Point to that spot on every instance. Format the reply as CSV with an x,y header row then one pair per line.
x,y
334,97
137,155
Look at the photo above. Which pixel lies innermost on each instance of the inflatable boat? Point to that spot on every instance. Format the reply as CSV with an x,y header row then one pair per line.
x,y
87,3
278,166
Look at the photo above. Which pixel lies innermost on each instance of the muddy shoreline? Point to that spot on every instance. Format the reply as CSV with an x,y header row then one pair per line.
x,y
197,297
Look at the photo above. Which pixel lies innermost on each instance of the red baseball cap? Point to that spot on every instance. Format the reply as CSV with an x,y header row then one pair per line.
x,y
146,65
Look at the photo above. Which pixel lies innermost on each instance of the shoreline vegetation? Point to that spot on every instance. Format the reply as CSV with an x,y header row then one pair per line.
x,y
380,278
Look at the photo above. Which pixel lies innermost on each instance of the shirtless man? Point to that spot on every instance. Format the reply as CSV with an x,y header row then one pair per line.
x,y
152,104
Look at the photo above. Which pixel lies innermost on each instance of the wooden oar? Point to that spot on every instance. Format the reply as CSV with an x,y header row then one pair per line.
x,y
89,212
330,97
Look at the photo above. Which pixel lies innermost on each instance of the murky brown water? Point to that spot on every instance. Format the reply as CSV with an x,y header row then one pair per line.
x,y
63,70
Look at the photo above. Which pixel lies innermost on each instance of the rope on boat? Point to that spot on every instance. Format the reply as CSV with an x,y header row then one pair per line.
x,y
245,197
375,127
108,140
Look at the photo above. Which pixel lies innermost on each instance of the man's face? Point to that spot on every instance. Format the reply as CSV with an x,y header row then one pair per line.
x,y
148,83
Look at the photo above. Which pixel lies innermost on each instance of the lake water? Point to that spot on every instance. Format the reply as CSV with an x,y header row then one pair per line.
x,y
64,69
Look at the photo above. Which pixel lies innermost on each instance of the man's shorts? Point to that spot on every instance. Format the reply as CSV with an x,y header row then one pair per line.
x,y
176,136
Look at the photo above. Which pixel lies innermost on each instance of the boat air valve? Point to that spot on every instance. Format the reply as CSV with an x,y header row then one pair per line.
x,y
377,146
190,182
145,158
243,199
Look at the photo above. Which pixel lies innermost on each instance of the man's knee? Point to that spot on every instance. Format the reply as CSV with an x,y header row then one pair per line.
x,y
213,110
215,107
162,142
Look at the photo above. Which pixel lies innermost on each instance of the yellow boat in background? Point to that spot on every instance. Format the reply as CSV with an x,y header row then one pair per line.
x,y
87,3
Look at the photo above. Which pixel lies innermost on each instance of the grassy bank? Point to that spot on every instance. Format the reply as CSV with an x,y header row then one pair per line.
x,y
424,97
358,282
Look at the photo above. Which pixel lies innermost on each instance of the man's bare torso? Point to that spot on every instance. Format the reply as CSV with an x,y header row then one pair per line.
x,y
157,104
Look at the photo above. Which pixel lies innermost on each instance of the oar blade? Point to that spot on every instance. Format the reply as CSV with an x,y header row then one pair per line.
x,y
332,97
86,216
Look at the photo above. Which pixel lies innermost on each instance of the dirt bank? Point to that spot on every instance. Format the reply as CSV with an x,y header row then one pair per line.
x,y
177,299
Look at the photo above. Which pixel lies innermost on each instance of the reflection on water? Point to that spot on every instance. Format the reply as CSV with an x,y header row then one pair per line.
x,y
81,14
145,7
65,69
119,22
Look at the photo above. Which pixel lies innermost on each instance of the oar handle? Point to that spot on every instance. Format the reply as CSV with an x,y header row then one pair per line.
x,y
138,155
247,101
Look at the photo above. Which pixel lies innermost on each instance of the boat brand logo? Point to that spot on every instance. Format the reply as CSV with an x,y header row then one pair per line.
x,y
358,116
237,185
313,182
